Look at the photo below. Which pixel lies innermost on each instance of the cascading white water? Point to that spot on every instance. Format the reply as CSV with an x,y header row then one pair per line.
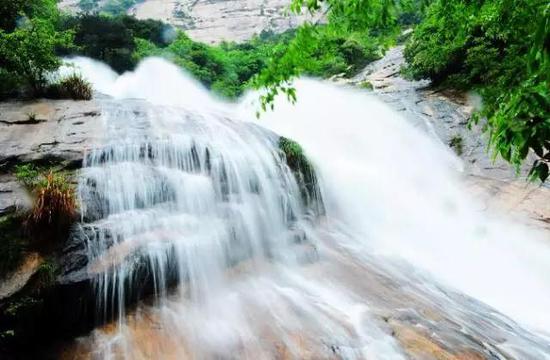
x,y
402,191
208,204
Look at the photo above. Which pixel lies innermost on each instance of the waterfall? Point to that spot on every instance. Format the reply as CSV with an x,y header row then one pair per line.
x,y
199,221
188,196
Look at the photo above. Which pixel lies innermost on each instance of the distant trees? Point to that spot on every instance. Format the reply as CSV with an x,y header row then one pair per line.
x,y
110,39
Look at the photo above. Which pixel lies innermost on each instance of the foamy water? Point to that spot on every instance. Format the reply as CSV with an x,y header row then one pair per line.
x,y
392,196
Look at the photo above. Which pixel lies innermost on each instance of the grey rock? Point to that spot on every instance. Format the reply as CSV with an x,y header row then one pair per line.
x,y
13,195
45,130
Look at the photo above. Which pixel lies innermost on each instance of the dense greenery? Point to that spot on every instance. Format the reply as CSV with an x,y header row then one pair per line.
x,y
111,39
501,48
28,39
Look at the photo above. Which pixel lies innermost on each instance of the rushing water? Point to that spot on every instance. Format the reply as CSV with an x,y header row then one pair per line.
x,y
195,193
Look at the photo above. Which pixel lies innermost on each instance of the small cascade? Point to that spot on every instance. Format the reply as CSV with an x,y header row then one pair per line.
x,y
175,197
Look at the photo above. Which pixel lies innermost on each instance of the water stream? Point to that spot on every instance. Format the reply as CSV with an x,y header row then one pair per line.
x,y
389,257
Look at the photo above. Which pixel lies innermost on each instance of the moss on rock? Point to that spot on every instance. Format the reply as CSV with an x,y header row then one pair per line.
x,y
304,173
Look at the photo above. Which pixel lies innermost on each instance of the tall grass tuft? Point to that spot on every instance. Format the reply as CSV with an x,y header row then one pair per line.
x,y
71,87
54,208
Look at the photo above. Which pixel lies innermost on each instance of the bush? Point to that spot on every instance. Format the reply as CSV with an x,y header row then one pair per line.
x,y
28,40
54,208
28,174
71,87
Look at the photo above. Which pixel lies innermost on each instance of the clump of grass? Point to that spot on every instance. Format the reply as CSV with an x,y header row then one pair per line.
x,y
31,116
71,87
457,144
54,208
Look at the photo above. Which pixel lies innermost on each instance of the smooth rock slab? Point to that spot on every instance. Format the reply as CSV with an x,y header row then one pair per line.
x,y
48,130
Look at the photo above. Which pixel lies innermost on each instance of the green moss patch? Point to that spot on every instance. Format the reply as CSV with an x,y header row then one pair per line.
x,y
304,173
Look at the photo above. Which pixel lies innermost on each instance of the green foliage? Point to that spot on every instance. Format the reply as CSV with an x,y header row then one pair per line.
x,y
229,68
500,48
111,39
28,174
358,32
54,205
71,87
292,150
28,39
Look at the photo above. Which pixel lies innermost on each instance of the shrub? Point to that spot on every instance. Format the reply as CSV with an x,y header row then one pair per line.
x,y
28,40
28,174
54,208
72,87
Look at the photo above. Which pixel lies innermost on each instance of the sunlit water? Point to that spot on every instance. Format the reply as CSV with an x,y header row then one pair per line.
x,y
198,190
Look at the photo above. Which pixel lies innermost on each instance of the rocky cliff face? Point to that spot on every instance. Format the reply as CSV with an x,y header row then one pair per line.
x,y
213,21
